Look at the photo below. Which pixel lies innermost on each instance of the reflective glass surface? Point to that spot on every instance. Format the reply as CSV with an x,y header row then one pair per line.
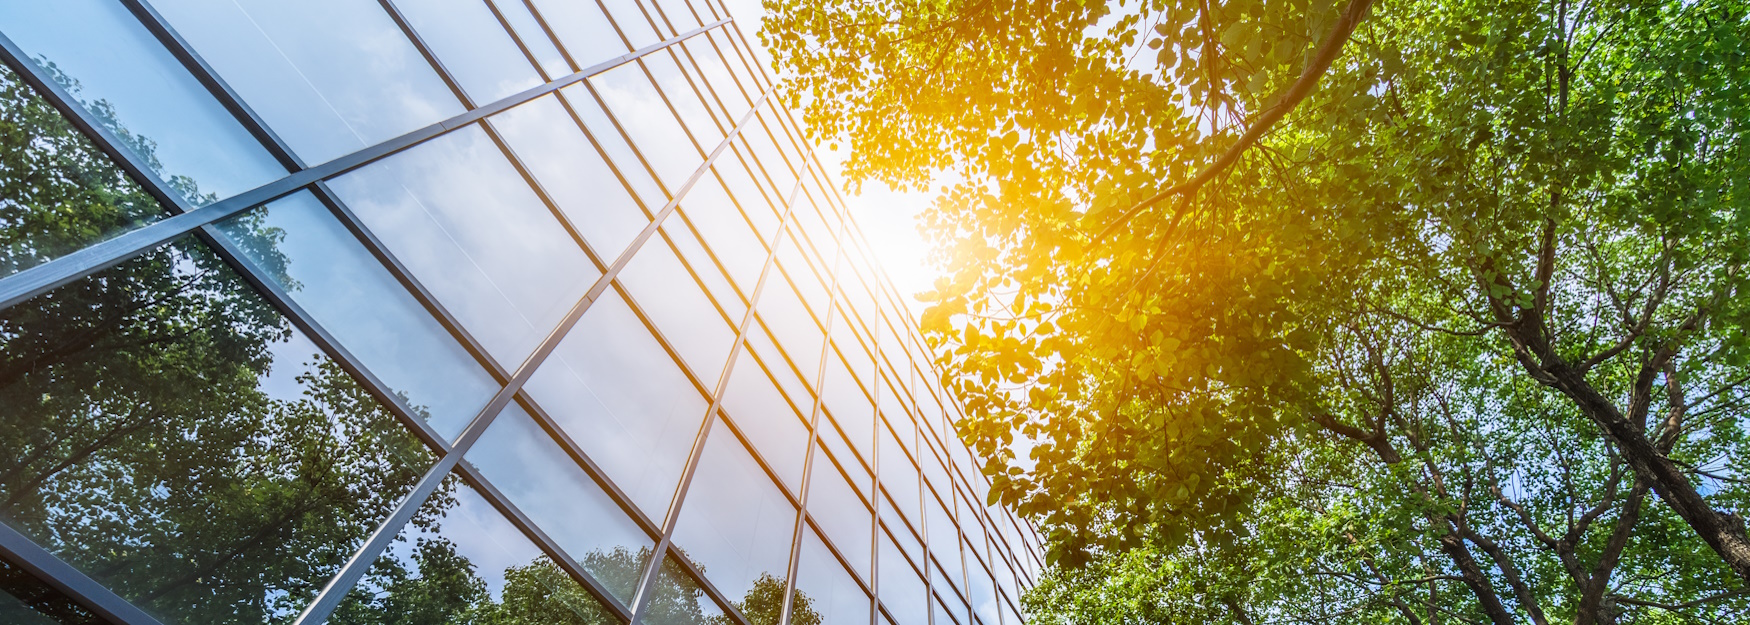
x,y
528,30
298,65
583,30
460,561
841,514
331,275
733,244
619,395
172,436
670,296
676,599
476,51
641,110
735,523
49,167
611,140
135,88
825,589
902,591
462,219
539,478
777,431
572,172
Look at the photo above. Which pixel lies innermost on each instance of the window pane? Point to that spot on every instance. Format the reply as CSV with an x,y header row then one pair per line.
x,y
824,590
582,29
49,168
306,251
670,297
686,241
848,405
26,600
472,45
629,17
677,600
620,154
172,436
841,514
542,481
573,173
899,477
859,473
755,204
118,71
720,87
298,65
900,534
735,523
741,252
458,561
944,538
624,401
983,592
782,312
768,420
684,92
760,342
645,116
464,221
532,36
902,591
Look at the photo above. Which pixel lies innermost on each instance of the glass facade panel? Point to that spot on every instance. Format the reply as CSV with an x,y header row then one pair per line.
x,y
902,590
618,394
478,54
461,561
334,278
216,433
115,68
49,168
687,318
572,172
298,65
540,479
464,221
841,514
735,523
172,436
824,589
777,431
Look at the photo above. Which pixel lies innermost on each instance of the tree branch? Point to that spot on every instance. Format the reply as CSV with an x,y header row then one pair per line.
x,y
1328,52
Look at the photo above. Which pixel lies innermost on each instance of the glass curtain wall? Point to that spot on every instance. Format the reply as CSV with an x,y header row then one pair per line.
x,y
461,311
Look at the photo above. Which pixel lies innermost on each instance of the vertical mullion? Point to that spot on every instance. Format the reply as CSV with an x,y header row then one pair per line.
x,y
528,54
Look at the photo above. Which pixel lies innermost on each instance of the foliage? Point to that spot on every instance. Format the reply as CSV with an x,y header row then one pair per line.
x,y
1463,336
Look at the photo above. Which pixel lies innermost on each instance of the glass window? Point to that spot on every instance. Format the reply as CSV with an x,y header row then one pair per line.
x,y
782,371
574,174
899,477
582,29
735,523
131,84
463,220
735,246
677,14
629,17
542,481
847,404
533,37
175,438
752,198
782,312
683,91
854,467
306,251
808,273
776,169
688,320
767,419
982,591
50,167
298,65
705,266
608,136
900,534
902,591
944,538
647,120
678,600
824,590
725,95
459,560
624,401
26,600
472,46
842,515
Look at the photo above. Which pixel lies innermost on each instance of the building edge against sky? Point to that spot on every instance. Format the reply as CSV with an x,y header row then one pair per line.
x,y
495,311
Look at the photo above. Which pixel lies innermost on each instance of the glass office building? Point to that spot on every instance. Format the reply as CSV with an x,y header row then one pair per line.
x,y
453,311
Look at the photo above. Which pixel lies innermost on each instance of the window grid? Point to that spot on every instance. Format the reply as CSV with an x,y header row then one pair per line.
x,y
809,181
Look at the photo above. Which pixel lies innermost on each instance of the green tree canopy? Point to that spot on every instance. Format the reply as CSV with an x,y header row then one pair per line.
x,y
1392,313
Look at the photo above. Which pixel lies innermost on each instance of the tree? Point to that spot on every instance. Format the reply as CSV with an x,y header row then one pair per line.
x,y
1469,311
